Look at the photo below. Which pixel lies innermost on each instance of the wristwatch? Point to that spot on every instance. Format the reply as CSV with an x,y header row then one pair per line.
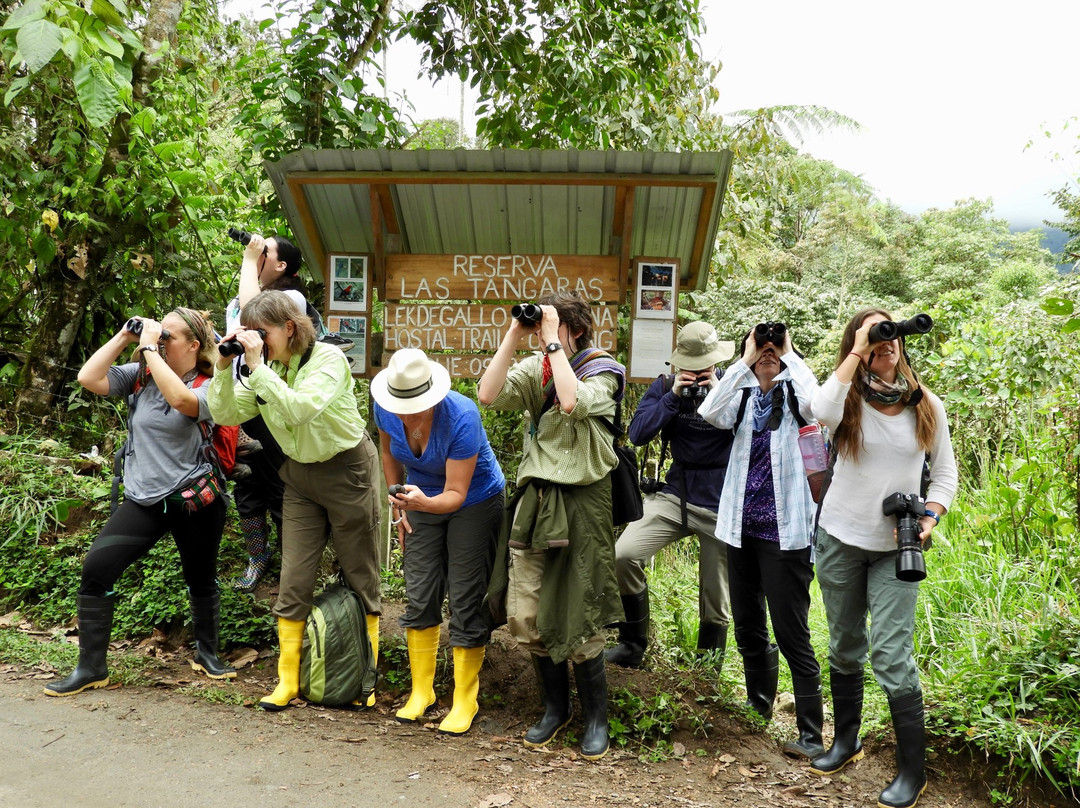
x,y
552,347
153,348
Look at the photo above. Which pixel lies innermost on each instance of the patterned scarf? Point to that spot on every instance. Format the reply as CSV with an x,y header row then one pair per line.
x,y
585,363
883,392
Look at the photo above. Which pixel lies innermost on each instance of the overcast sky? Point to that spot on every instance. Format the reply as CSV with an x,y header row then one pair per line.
x,y
949,92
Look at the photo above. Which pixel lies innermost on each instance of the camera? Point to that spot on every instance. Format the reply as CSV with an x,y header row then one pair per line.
x,y
908,510
528,314
764,333
243,236
887,329
134,325
650,485
395,490
233,347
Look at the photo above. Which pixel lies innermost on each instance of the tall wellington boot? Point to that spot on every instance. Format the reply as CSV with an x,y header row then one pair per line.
x,y
423,645
373,638
847,697
712,643
809,716
633,632
592,692
255,532
205,618
95,625
555,686
290,640
467,664
762,673
909,724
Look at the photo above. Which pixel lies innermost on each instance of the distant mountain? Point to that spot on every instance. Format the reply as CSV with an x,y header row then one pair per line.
x,y
1053,239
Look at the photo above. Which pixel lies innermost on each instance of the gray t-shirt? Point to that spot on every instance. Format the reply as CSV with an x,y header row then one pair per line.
x,y
164,446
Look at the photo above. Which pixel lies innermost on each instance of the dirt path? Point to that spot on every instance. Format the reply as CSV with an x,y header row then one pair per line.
x,y
163,746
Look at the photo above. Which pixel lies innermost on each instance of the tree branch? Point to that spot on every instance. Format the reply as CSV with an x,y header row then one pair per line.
x,y
382,14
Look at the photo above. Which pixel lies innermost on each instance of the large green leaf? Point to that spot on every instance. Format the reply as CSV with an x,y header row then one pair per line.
x,y
99,36
98,97
27,12
38,42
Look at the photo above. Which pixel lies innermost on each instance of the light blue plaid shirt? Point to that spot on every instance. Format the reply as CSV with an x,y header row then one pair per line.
x,y
795,507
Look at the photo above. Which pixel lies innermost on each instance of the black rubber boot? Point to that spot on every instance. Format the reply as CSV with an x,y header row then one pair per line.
x,y
205,617
809,716
555,686
762,672
633,632
712,643
592,692
847,697
909,724
95,626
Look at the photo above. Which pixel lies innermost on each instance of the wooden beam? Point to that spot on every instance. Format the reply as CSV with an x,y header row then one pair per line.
x,y
388,213
296,191
498,178
708,199
617,214
377,240
627,237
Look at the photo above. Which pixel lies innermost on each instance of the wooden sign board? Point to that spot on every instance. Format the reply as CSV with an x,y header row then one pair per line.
x,y
515,278
471,328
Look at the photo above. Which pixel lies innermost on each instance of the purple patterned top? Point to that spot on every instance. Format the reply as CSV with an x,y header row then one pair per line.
x,y
759,503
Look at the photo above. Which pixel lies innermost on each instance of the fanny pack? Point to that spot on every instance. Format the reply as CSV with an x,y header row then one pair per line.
x,y
196,496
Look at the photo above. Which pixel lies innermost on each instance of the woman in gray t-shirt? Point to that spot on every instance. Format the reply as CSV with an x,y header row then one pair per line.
x,y
169,483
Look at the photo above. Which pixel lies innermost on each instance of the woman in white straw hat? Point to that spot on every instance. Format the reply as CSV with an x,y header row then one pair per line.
x,y
448,513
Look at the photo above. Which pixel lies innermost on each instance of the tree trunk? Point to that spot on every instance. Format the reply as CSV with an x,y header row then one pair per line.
x,y
65,297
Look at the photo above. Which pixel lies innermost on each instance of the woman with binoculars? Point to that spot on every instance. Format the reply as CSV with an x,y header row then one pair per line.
x,y
765,517
887,430
303,389
448,518
170,484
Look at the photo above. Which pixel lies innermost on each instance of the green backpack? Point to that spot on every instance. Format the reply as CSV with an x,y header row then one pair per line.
x,y
337,666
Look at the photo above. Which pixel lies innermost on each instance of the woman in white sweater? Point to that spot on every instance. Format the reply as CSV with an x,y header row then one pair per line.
x,y
885,428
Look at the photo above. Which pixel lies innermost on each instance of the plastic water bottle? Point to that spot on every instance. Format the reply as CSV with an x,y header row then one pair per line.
x,y
814,457
812,448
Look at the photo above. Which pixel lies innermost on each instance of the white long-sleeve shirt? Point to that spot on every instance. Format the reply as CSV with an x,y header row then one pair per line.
x,y
891,461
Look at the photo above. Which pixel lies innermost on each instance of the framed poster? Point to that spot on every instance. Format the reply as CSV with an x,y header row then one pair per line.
x,y
349,282
656,288
353,332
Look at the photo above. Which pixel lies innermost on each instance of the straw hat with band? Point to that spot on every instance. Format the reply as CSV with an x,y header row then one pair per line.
x,y
410,383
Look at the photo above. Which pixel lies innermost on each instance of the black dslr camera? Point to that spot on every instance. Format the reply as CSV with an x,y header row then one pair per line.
x,y
232,346
528,314
908,510
134,325
764,333
887,329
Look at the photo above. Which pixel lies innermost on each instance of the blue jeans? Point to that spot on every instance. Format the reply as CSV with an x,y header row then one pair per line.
x,y
856,583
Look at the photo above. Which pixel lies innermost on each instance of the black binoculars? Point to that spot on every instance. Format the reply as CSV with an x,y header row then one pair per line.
x,y
528,314
887,329
764,333
134,325
395,489
233,347
243,236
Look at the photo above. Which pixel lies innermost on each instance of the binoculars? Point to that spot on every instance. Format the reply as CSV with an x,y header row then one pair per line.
x,y
395,489
764,333
887,330
233,347
134,325
528,314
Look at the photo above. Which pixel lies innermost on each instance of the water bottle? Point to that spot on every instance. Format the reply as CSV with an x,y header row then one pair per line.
x,y
815,458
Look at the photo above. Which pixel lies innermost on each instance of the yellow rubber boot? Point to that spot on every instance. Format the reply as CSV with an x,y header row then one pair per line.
x,y
423,645
373,636
290,639
467,664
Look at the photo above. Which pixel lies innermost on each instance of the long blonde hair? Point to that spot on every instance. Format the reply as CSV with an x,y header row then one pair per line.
x,y
848,436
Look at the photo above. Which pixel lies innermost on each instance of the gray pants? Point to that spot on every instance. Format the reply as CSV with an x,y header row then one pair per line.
x,y
660,526
337,494
856,583
452,553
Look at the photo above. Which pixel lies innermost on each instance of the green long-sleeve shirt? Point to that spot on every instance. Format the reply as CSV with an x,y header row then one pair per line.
x,y
311,411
